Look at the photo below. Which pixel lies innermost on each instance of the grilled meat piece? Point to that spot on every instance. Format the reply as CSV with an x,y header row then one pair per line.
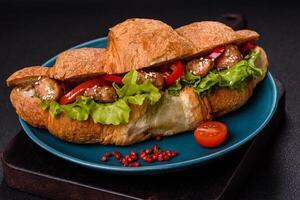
x,y
47,89
105,94
155,78
230,57
200,67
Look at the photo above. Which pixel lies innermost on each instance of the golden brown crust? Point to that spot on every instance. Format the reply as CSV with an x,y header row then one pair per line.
x,y
208,35
81,132
89,132
246,35
138,43
26,75
28,108
225,100
135,44
78,64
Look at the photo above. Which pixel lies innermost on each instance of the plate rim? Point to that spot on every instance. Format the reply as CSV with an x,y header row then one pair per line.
x,y
154,168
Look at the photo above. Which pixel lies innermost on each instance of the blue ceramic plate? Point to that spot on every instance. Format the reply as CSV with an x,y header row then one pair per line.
x,y
243,125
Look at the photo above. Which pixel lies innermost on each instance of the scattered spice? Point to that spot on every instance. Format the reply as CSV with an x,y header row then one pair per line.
x,y
104,158
147,155
157,137
117,155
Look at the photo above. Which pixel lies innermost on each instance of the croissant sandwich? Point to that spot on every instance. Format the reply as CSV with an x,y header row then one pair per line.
x,y
150,80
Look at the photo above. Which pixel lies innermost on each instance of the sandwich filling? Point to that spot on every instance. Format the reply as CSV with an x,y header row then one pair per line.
x,y
234,75
102,109
107,99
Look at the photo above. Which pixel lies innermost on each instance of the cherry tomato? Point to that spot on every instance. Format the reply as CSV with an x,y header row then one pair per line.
x,y
216,53
113,78
79,90
177,72
211,134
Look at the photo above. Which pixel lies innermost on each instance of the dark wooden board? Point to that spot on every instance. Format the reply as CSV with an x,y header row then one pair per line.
x,y
29,168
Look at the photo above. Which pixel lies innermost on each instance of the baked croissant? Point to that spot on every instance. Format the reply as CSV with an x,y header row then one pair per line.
x,y
147,49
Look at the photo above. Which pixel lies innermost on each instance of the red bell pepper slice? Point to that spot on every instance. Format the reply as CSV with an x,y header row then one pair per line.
x,y
177,72
113,78
79,90
216,53
247,47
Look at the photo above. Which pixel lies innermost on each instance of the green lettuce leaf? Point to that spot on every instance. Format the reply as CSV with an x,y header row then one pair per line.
x,y
207,83
175,89
190,79
108,113
111,113
134,92
235,77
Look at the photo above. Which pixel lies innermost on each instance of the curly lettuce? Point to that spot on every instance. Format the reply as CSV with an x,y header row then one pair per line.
x,y
108,113
136,93
175,89
235,77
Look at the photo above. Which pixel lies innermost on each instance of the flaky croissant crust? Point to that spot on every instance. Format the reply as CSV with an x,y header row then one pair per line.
x,y
132,48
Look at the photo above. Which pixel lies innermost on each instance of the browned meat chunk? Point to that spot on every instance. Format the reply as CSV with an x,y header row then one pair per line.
x,y
104,94
231,56
47,89
155,78
200,67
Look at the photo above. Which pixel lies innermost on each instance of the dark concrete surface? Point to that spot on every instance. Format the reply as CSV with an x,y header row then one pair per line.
x,y
30,33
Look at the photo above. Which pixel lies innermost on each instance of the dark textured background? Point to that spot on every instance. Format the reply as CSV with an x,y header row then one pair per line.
x,y
33,31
